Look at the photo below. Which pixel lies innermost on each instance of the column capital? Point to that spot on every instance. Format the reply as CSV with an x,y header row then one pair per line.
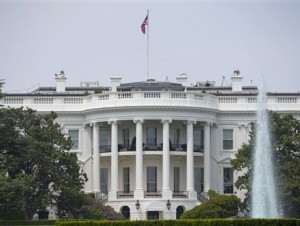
x,y
208,123
189,122
138,120
87,125
93,124
115,122
163,121
240,125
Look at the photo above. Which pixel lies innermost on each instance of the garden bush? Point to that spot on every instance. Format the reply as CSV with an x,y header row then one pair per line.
x,y
204,222
219,206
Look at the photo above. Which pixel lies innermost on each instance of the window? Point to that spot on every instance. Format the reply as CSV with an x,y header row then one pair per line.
x,y
179,212
228,180
177,138
153,215
198,139
227,139
126,212
126,138
151,135
104,180
104,140
151,179
126,179
199,179
74,135
176,179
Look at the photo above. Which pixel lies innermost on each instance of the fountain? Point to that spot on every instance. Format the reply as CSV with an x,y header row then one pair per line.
x,y
264,200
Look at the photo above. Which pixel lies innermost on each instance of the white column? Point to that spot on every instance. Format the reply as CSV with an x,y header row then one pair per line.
x,y
207,157
96,158
139,189
190,161
114,161
166,189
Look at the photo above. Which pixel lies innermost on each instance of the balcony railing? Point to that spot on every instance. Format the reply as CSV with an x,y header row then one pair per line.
x,y
123,194
156,194
176,147
179,194
105,148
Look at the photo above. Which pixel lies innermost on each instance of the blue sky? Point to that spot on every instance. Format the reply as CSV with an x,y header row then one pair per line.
x,y
96,40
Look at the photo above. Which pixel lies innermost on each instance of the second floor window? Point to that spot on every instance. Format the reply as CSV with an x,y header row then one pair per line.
x,y
151,179
104,180
74,136
199,179
227,139
228,180
126,179
176,179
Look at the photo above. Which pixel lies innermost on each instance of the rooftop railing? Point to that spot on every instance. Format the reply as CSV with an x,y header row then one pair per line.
x,y
150,98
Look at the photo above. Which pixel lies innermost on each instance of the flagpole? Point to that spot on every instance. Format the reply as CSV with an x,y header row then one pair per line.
x,y
148,44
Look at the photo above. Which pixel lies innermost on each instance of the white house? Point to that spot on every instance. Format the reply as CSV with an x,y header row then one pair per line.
x,y
152,149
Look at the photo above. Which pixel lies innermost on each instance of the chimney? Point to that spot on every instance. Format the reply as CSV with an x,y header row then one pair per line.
x,y
60,80
115,82
236,80
182,78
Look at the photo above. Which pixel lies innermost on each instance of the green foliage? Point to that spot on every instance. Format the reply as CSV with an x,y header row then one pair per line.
x,y
205,222
98,90
211,193
1,84
27,222
94,209
33,151
219,206
285,130
11,195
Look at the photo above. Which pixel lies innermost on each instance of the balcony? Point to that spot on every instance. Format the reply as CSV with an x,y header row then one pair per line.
x,y
125,195
173,148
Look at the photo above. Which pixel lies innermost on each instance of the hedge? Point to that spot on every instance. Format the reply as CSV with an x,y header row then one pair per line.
x,y
206,222
27,222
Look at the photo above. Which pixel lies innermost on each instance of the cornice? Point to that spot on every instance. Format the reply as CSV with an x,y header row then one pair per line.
x,y
152,108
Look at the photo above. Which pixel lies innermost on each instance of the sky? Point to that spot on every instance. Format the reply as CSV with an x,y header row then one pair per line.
x,y
95,40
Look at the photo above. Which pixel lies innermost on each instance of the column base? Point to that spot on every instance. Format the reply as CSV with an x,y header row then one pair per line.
x,y
139,194
167,194
112,195
192,194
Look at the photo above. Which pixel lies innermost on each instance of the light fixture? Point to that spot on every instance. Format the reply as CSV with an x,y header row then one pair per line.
x,y
168,204
137,205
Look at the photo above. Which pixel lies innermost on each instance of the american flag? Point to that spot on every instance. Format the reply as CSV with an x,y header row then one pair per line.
x,y
143,26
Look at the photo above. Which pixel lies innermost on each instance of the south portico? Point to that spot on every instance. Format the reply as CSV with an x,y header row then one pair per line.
x,y
143,149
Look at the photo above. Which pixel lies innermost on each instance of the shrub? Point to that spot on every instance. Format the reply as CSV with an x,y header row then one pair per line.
x,y
220,206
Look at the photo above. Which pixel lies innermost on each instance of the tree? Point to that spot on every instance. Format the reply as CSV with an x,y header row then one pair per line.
x,y
285,130
34,151
1,84
95,209
11,193
219,206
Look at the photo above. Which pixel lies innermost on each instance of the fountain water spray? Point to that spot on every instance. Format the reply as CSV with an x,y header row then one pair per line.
x,y
264,200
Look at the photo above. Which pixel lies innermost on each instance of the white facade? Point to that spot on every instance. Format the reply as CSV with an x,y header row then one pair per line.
x,y
154,143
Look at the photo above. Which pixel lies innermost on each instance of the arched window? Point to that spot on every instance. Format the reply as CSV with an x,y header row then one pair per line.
x,y
126,212
179,211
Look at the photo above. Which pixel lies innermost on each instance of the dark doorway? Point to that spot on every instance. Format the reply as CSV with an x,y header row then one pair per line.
x,y
126,212
179,211
153,215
